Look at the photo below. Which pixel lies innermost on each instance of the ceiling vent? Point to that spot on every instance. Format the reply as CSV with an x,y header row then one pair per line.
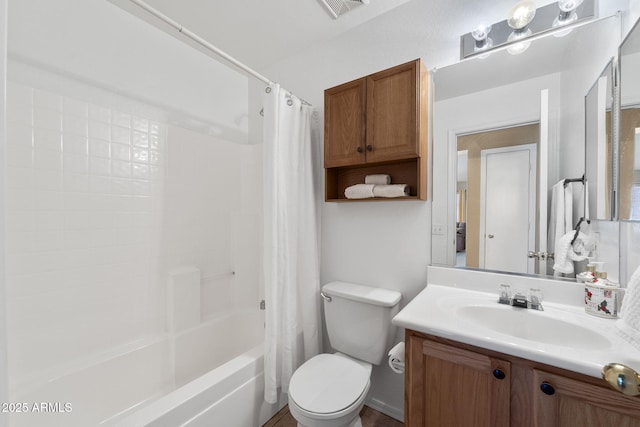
x,y
340,7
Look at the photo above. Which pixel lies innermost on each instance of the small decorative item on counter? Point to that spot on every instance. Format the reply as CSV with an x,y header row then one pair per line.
x,y
601,297
588,275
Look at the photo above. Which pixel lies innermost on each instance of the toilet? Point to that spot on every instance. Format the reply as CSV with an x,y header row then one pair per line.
x,y
329,390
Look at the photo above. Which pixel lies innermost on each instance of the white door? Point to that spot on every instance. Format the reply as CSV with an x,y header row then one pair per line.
x,y
507,208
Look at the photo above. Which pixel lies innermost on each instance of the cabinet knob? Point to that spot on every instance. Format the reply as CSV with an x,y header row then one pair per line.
x,y
622,378
369,147
499,374
547,389
359,150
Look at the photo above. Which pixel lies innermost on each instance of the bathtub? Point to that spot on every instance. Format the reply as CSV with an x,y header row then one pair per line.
x,y
218,374
230,395
209,375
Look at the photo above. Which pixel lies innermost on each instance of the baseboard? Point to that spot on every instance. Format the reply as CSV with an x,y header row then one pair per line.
x,y
380,406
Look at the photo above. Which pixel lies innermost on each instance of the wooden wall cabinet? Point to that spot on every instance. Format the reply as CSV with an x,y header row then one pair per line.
x,y
377,124
453,384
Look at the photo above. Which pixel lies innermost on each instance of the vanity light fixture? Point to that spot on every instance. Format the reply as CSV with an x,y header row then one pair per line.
x,y
525,23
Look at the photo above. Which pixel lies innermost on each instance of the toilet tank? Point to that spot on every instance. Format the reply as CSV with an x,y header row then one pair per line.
x,y
358,319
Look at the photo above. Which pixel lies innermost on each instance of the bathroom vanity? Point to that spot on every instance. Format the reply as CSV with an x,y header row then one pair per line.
x,y
473,362
448,383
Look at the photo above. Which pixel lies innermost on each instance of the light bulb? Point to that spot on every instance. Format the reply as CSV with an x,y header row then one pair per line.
x,y
481,32
481,36
569,5
522,14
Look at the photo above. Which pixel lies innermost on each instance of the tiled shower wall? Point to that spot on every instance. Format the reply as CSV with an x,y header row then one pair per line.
x,y
84,211
100,205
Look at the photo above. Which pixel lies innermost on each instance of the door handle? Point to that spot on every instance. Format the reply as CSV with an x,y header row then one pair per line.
x,y
490,236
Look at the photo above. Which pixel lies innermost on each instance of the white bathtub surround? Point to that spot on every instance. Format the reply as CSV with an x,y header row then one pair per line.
x,y
183,298
97,213
291,267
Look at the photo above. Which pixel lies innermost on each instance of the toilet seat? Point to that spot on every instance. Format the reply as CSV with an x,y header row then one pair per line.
x,y
328,385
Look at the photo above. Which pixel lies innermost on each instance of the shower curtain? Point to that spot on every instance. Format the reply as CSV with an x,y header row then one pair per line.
x,y
291,271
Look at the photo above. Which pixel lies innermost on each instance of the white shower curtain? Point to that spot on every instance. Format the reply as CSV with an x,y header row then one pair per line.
x,y
291,272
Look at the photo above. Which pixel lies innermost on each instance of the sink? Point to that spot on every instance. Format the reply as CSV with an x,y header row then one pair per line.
x,y
532,326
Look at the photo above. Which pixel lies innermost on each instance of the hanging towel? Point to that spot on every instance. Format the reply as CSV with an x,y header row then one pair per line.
x,y
377,179
392,190
561,214
629,322
359,191
566,253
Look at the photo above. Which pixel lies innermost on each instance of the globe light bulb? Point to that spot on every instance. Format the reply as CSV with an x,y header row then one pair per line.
x,y
569,5
522,14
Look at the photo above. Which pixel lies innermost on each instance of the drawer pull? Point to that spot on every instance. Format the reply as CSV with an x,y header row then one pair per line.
x,y
499,374
547,389
622,378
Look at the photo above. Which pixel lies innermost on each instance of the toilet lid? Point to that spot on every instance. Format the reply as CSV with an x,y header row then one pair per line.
x,y
328,383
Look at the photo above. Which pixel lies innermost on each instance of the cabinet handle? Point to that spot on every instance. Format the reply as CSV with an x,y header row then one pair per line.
x,y
359,150
499,374
547,389
622,378
369,147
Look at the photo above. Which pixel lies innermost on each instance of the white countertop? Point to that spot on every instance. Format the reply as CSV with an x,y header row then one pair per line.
x,y
562,335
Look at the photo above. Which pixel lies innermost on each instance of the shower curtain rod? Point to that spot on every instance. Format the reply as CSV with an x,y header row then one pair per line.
x,y
202,42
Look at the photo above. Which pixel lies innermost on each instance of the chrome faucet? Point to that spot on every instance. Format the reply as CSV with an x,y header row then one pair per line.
x,y
532,301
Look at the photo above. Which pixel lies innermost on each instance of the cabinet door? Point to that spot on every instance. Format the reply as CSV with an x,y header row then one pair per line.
x,y
568,402
393,109
448,386
344,124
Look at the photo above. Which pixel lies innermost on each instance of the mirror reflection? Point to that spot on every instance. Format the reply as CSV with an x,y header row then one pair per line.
x,y
497,176
598,142
543,88
629,134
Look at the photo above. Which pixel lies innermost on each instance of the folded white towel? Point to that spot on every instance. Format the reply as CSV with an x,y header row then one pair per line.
x,y
377,179
391,190
629,322
565,253
359,191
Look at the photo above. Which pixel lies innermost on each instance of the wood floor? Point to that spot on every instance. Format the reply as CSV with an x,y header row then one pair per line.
x,y
370,418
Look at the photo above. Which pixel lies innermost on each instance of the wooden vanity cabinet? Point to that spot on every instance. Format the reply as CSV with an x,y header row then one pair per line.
x,y
377,124
453,384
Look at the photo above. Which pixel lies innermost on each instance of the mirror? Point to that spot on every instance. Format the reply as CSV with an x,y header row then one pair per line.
x,y
544,87
629,152
629,131
598,145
